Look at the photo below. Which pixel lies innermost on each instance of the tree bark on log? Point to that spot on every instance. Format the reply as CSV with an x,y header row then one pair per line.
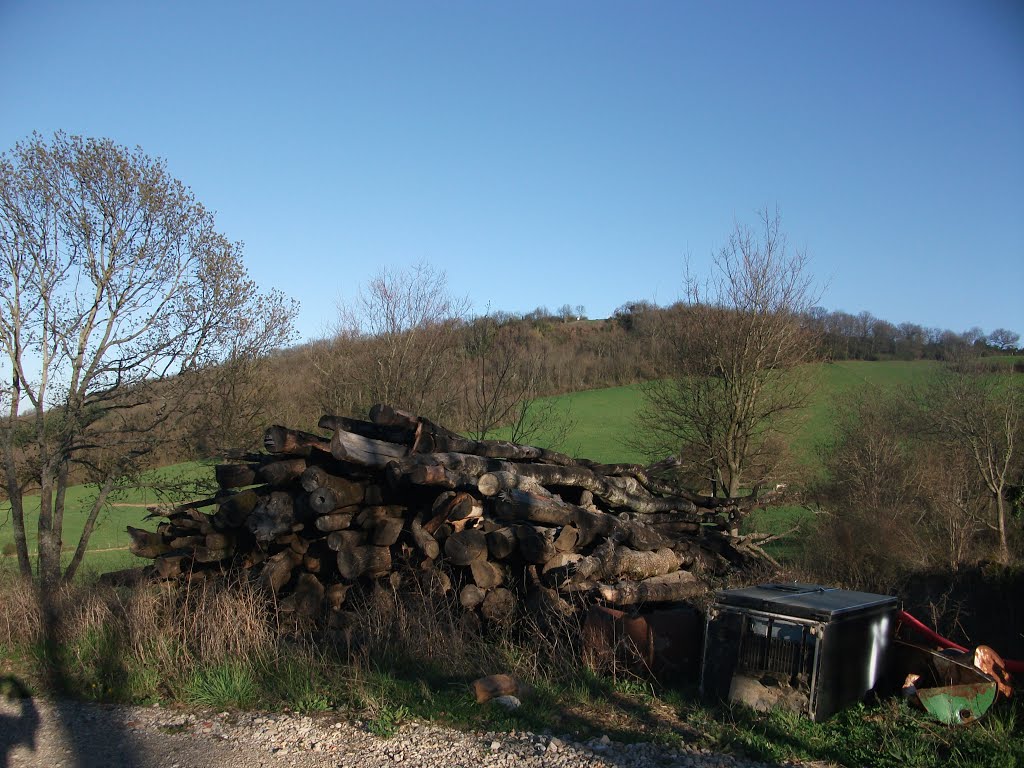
x,y
471,596
336,521
306,598
522,505
614,562
345,490
387,433
464,547
486,574
235,475
282,472
499,607
365,451
278,439
272,516
427,544
278,570
671,587
502,543
368,560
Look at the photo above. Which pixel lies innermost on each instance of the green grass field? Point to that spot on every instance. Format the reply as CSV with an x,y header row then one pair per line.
x,y
602,425
603,419
108,545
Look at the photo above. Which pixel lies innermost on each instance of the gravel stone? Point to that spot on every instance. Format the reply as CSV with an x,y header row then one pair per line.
x,y
40,734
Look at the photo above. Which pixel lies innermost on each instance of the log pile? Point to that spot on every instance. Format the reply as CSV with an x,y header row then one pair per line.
x,y
498,523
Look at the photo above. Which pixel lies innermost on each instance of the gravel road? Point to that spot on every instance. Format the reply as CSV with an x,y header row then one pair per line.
x,y
38,734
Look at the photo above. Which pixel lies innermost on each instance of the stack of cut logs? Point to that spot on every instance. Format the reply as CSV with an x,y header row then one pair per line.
x,y
399,497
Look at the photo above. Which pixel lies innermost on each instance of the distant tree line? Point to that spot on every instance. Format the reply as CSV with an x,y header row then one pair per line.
x,y
865,337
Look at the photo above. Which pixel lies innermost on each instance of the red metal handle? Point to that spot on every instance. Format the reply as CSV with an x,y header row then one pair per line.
x,y
1014,667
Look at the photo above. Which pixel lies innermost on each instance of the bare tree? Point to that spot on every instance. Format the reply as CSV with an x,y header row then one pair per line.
x,y
502,383
116,289
982,414
397,343
738,345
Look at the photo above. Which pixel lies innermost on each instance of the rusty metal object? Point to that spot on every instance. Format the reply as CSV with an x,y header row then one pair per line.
x,y
992,664
664,644
946,684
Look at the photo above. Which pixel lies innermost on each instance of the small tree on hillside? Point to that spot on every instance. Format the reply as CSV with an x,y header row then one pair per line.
x,y
981,415
737,348
115,290
398,343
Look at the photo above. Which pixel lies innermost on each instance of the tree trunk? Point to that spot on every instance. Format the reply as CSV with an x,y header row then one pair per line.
x,y
278,439
365,451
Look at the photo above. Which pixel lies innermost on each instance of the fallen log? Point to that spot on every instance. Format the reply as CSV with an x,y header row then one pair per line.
x,y
365,451
278,439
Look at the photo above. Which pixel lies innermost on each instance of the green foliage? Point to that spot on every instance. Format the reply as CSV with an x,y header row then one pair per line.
x,y
226,685
386,720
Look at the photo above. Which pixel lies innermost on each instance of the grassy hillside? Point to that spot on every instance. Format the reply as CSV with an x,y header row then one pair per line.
x,y
108,546
602,419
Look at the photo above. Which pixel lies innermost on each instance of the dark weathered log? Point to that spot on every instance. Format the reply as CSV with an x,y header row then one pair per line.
x,y
371,561
522,505
173,565
306,598
345,491
273,515
464,505
671,587
567,538
560,567
499,607
368,517
365,451
204,554
432,438
493,483
486,574
338,540
278,439
501,543
536,545
435,475
387,531
427,544
668,588
297,543
219,540
612,562
391,416
312,563
185,542
336,521
389,433
281,472
235,475
464,547
146,543
278,570
471,596
234,510
334,596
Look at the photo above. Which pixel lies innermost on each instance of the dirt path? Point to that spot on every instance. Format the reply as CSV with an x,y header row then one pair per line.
x,y
40,734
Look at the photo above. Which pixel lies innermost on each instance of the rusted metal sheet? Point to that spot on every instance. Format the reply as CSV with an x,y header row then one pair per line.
x,y
958,704
663,643
947,684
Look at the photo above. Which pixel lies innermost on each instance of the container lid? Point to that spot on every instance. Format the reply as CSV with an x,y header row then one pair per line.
x,y
806,601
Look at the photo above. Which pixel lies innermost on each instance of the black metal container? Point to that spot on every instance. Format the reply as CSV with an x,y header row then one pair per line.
x,y
804,647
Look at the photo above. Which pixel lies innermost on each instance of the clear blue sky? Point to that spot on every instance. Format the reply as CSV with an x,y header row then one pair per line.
x,y
564,152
